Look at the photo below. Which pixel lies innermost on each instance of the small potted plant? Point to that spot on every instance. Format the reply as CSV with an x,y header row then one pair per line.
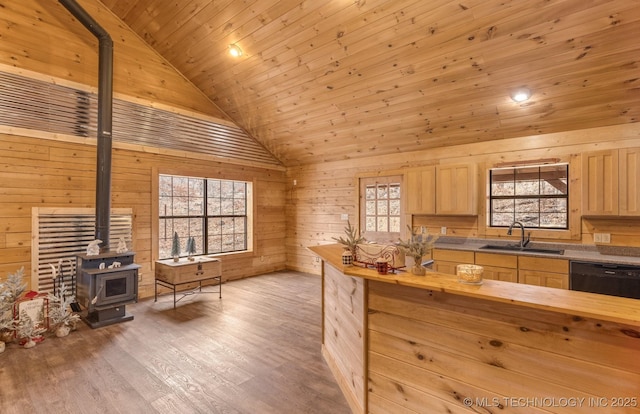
x,y
350,242
416,247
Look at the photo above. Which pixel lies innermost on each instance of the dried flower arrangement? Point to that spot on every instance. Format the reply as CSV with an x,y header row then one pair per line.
x,y
352,238
417,246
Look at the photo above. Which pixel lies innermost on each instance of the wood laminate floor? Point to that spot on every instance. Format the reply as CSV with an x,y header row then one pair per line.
x,y
257,350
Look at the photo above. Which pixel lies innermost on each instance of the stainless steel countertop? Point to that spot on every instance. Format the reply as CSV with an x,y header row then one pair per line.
x,y
586,253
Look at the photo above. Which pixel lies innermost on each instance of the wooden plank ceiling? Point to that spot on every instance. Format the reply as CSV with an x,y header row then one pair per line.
x,y
342,79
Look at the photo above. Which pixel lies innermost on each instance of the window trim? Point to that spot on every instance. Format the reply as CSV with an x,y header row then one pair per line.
x,y
574,230
539,196
191,172
382,177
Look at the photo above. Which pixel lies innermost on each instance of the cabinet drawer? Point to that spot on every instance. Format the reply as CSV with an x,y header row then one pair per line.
x,y
498,260
453,256
445,267
543,264
504,274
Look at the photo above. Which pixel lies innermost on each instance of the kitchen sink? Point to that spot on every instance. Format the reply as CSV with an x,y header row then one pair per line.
x,y
517,248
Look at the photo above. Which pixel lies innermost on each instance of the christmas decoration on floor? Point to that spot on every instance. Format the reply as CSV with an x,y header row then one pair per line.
x,y
26,318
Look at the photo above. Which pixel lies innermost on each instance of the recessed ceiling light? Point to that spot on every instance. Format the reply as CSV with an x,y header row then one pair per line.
x,y
521,94
234,50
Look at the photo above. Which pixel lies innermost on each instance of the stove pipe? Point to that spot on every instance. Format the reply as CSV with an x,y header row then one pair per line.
x,y
105,104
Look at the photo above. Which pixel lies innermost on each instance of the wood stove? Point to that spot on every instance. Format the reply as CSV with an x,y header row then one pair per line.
x,y
105,283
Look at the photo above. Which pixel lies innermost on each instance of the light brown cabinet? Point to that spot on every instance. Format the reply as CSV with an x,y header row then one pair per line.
x,y
445,261
442,189
628,181
541,271
610,182
498,266
600,183
456,189
421,190
530,270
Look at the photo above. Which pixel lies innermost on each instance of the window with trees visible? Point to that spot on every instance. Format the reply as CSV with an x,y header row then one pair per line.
x,y
381,218
214,212
536,196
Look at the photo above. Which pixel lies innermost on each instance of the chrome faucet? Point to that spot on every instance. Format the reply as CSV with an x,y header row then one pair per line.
x,y
523,242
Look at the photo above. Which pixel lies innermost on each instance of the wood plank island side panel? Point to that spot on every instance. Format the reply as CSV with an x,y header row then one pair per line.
x,y
465,348
344,336
555,324
480,351
386,396
444,395
53,183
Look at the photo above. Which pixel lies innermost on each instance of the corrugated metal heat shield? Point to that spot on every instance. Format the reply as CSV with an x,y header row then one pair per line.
x,y
38,105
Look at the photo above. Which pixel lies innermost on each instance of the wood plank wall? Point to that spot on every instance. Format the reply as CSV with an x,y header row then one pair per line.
x,y
325,191
43,40
429,351
38,172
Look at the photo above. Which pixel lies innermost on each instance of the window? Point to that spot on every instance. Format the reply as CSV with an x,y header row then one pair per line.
x,y
536,196
214,212
381,208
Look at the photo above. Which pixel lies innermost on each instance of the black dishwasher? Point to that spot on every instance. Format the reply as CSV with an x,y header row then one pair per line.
x,y
606,278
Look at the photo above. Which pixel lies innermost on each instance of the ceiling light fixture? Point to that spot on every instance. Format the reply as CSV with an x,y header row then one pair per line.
x,y
234,50
521,94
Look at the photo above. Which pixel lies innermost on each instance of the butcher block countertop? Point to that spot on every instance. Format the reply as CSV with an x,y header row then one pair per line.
x,y
582,304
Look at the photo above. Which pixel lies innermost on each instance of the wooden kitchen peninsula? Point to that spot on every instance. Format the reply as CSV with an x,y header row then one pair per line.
x,y
428,344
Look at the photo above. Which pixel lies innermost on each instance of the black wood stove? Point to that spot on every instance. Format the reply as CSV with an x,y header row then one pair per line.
x,y
105,283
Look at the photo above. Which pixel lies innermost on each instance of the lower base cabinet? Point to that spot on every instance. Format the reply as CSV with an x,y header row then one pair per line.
x,y
541,271
498,266
446,261
530,270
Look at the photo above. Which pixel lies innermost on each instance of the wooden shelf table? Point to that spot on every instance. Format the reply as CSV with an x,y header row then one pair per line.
x,y
172,274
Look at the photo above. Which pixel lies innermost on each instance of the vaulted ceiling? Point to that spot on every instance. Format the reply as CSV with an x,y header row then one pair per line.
x,y
340,79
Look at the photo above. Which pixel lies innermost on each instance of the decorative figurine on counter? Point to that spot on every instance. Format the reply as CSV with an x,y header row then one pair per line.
x,y
122,246
93,249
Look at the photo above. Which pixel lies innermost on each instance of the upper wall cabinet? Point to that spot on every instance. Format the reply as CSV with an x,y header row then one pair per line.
x,y
442,189
628,173
421,190
600,183
610,182
456,189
